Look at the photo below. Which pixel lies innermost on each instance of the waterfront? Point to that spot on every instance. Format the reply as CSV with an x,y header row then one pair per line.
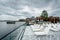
x,y
28,34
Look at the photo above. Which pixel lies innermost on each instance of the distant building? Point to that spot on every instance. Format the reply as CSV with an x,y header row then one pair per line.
x,y
33,18
53,19
28,20
43,18
22,20
39,19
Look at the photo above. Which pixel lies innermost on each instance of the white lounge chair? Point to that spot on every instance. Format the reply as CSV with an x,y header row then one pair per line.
x,y
55,27
41,30
35,27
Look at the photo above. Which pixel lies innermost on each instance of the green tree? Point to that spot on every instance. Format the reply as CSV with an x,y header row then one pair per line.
x,y
44,14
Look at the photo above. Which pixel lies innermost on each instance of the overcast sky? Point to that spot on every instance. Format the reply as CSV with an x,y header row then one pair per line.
x,y
26,8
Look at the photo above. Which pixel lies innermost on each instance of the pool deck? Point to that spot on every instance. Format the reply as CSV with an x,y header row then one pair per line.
x,y
29,35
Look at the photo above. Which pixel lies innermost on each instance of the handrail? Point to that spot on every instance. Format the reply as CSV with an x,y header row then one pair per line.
x,y
21,34
10,32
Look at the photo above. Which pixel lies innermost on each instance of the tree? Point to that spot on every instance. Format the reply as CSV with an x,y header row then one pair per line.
x,y
44,14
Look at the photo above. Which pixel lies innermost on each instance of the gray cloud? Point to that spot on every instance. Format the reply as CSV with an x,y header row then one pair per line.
x,y
12,7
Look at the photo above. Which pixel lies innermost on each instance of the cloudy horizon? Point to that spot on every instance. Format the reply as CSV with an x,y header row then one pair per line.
x,y
17,9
